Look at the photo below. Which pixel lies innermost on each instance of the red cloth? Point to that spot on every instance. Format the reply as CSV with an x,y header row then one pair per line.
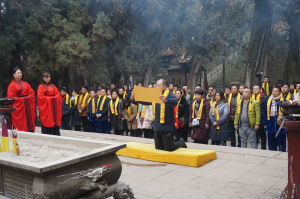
x,y
49,102
23,118
176,119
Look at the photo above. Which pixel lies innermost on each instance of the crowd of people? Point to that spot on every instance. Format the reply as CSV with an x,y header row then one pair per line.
x,y
239,115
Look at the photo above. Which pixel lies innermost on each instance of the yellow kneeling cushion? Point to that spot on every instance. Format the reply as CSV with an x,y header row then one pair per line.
x,y
181,156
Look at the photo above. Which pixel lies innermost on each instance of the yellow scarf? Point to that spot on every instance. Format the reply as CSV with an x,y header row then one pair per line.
x,y
153,110
143,110
84,99
124,95
67,98
194,96
114,110
269,107
288,97
163,107
238,100
199,111
177,108
207,96
75,102
266,88
102,103
257,98
240,106
174,92
295,91
129,111
93,105
217,113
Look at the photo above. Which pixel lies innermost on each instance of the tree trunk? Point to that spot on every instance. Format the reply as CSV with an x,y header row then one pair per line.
x,y
258,45
223,67
150,68
194,74
292,65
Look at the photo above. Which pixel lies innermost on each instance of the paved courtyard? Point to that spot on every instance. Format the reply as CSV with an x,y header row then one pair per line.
x,y
235,174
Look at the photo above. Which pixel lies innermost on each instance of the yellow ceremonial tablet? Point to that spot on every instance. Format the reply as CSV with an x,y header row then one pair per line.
x,y
151,95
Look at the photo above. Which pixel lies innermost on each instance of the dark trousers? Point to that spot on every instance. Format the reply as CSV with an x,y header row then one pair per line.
x,y
103,126
119,132
77,128
182,133
133,133
232,134
125,127
165,141
84,123
148,133
222,143
262,136
51,131
277,144
93,125
139,133
65,122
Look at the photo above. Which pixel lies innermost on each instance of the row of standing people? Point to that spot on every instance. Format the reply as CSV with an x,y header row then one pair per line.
x,y
221,116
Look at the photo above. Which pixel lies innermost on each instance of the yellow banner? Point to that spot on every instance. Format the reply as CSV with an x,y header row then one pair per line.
x,y
151,95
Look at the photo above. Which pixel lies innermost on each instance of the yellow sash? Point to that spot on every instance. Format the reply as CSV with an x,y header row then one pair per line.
x,y
238,100
163,107
199,111
102,103
93,105
84,99
295,91
257,98
266,88
240,106
153,110
143,110
67,98
177,108
217,113
194,96
114,110
75,101
174,92
129,111
288,97
269,107
124,95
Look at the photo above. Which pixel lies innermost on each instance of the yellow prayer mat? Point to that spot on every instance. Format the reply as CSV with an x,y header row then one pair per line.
x,y
181,156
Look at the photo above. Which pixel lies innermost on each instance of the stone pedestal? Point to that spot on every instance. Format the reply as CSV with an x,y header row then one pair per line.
x,y
294,158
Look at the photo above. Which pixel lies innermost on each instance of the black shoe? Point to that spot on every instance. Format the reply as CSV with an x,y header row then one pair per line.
x,y
182,143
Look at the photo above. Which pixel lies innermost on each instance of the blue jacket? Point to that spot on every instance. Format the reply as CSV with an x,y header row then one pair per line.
x,y
169,124
65,107
272,125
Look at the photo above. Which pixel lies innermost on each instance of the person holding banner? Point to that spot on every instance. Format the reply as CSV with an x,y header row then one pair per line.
x,y
164,122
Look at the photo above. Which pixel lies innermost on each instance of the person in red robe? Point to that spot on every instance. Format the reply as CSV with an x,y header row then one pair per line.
x,y
23,118
50,105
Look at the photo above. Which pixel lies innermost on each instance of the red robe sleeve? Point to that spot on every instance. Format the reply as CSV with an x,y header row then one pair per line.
x,y
23,118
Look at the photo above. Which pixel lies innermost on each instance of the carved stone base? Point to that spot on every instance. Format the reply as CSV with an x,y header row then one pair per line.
x,y
119,190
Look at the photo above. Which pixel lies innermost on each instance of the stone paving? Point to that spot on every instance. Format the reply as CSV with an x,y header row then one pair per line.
x,y
235,174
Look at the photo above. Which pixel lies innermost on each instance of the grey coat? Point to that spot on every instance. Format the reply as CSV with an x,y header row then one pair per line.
x,y
221,134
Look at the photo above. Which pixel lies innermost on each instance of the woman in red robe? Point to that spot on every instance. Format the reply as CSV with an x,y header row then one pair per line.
x,y
49,104
23,118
